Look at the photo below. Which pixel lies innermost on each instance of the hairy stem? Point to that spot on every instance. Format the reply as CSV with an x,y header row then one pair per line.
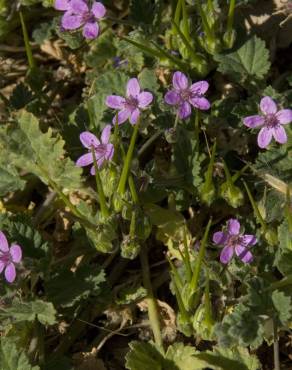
x,y
102,200
152,305
276,347
30,59
128,161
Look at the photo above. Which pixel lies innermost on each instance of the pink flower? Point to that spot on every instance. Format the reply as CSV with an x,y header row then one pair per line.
x,y
272,121
103,150
130,107
78,14
233,241
8,258
184,96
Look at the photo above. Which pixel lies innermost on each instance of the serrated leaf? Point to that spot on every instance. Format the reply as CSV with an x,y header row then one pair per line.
x,y
249,61
19,311
226,359
283,306
285,236
21,96
67,288
144,356
183,357
11,358
42,154
9,179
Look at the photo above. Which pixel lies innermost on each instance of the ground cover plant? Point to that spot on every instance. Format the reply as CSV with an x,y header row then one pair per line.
x,y
145,183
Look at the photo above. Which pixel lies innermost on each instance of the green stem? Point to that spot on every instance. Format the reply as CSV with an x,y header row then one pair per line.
x,y
102,201
210,6
180,303
196,58
280,284
186,256
209,175
197,127
176,121
131,182
208,308
255,207
31,61
176,277
152,305
237,175
196,274
276,347
230,16
207,29
128,161
185,22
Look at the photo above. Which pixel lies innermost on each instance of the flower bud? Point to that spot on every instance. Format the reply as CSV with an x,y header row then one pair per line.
x,y
232,194
271,237
130,247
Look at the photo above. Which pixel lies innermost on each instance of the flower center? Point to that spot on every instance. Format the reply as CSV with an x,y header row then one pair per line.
x,y
131,103
234,240
5,257
186,94
271,121
101,150
88,17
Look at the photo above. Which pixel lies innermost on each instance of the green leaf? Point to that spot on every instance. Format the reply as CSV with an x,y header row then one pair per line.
x,y
11,358
226,359
285,236
249,61
21,96
28,149
19,311
9,179
66,288
284,262
183,357
283,306
144,356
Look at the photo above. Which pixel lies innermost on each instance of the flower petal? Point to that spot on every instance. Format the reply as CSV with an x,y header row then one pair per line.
x,y
16,253
88,139
284,116
134,116
123,115
199,88
172,97
71,21
264,137
2,265
106,133
79,7
62,4
200,103
233,227
243,253
253,121
144,99
219,237
98,10
10,273
109,151
115,101
185,110
90,30
248,240
180,81
226,254
4,247
133,88
279,134
268,106
84,160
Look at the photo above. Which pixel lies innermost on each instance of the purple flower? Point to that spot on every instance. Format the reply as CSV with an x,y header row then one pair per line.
x,y
104,151
271,120
184,95
8,258
131,106
232,240
78,14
